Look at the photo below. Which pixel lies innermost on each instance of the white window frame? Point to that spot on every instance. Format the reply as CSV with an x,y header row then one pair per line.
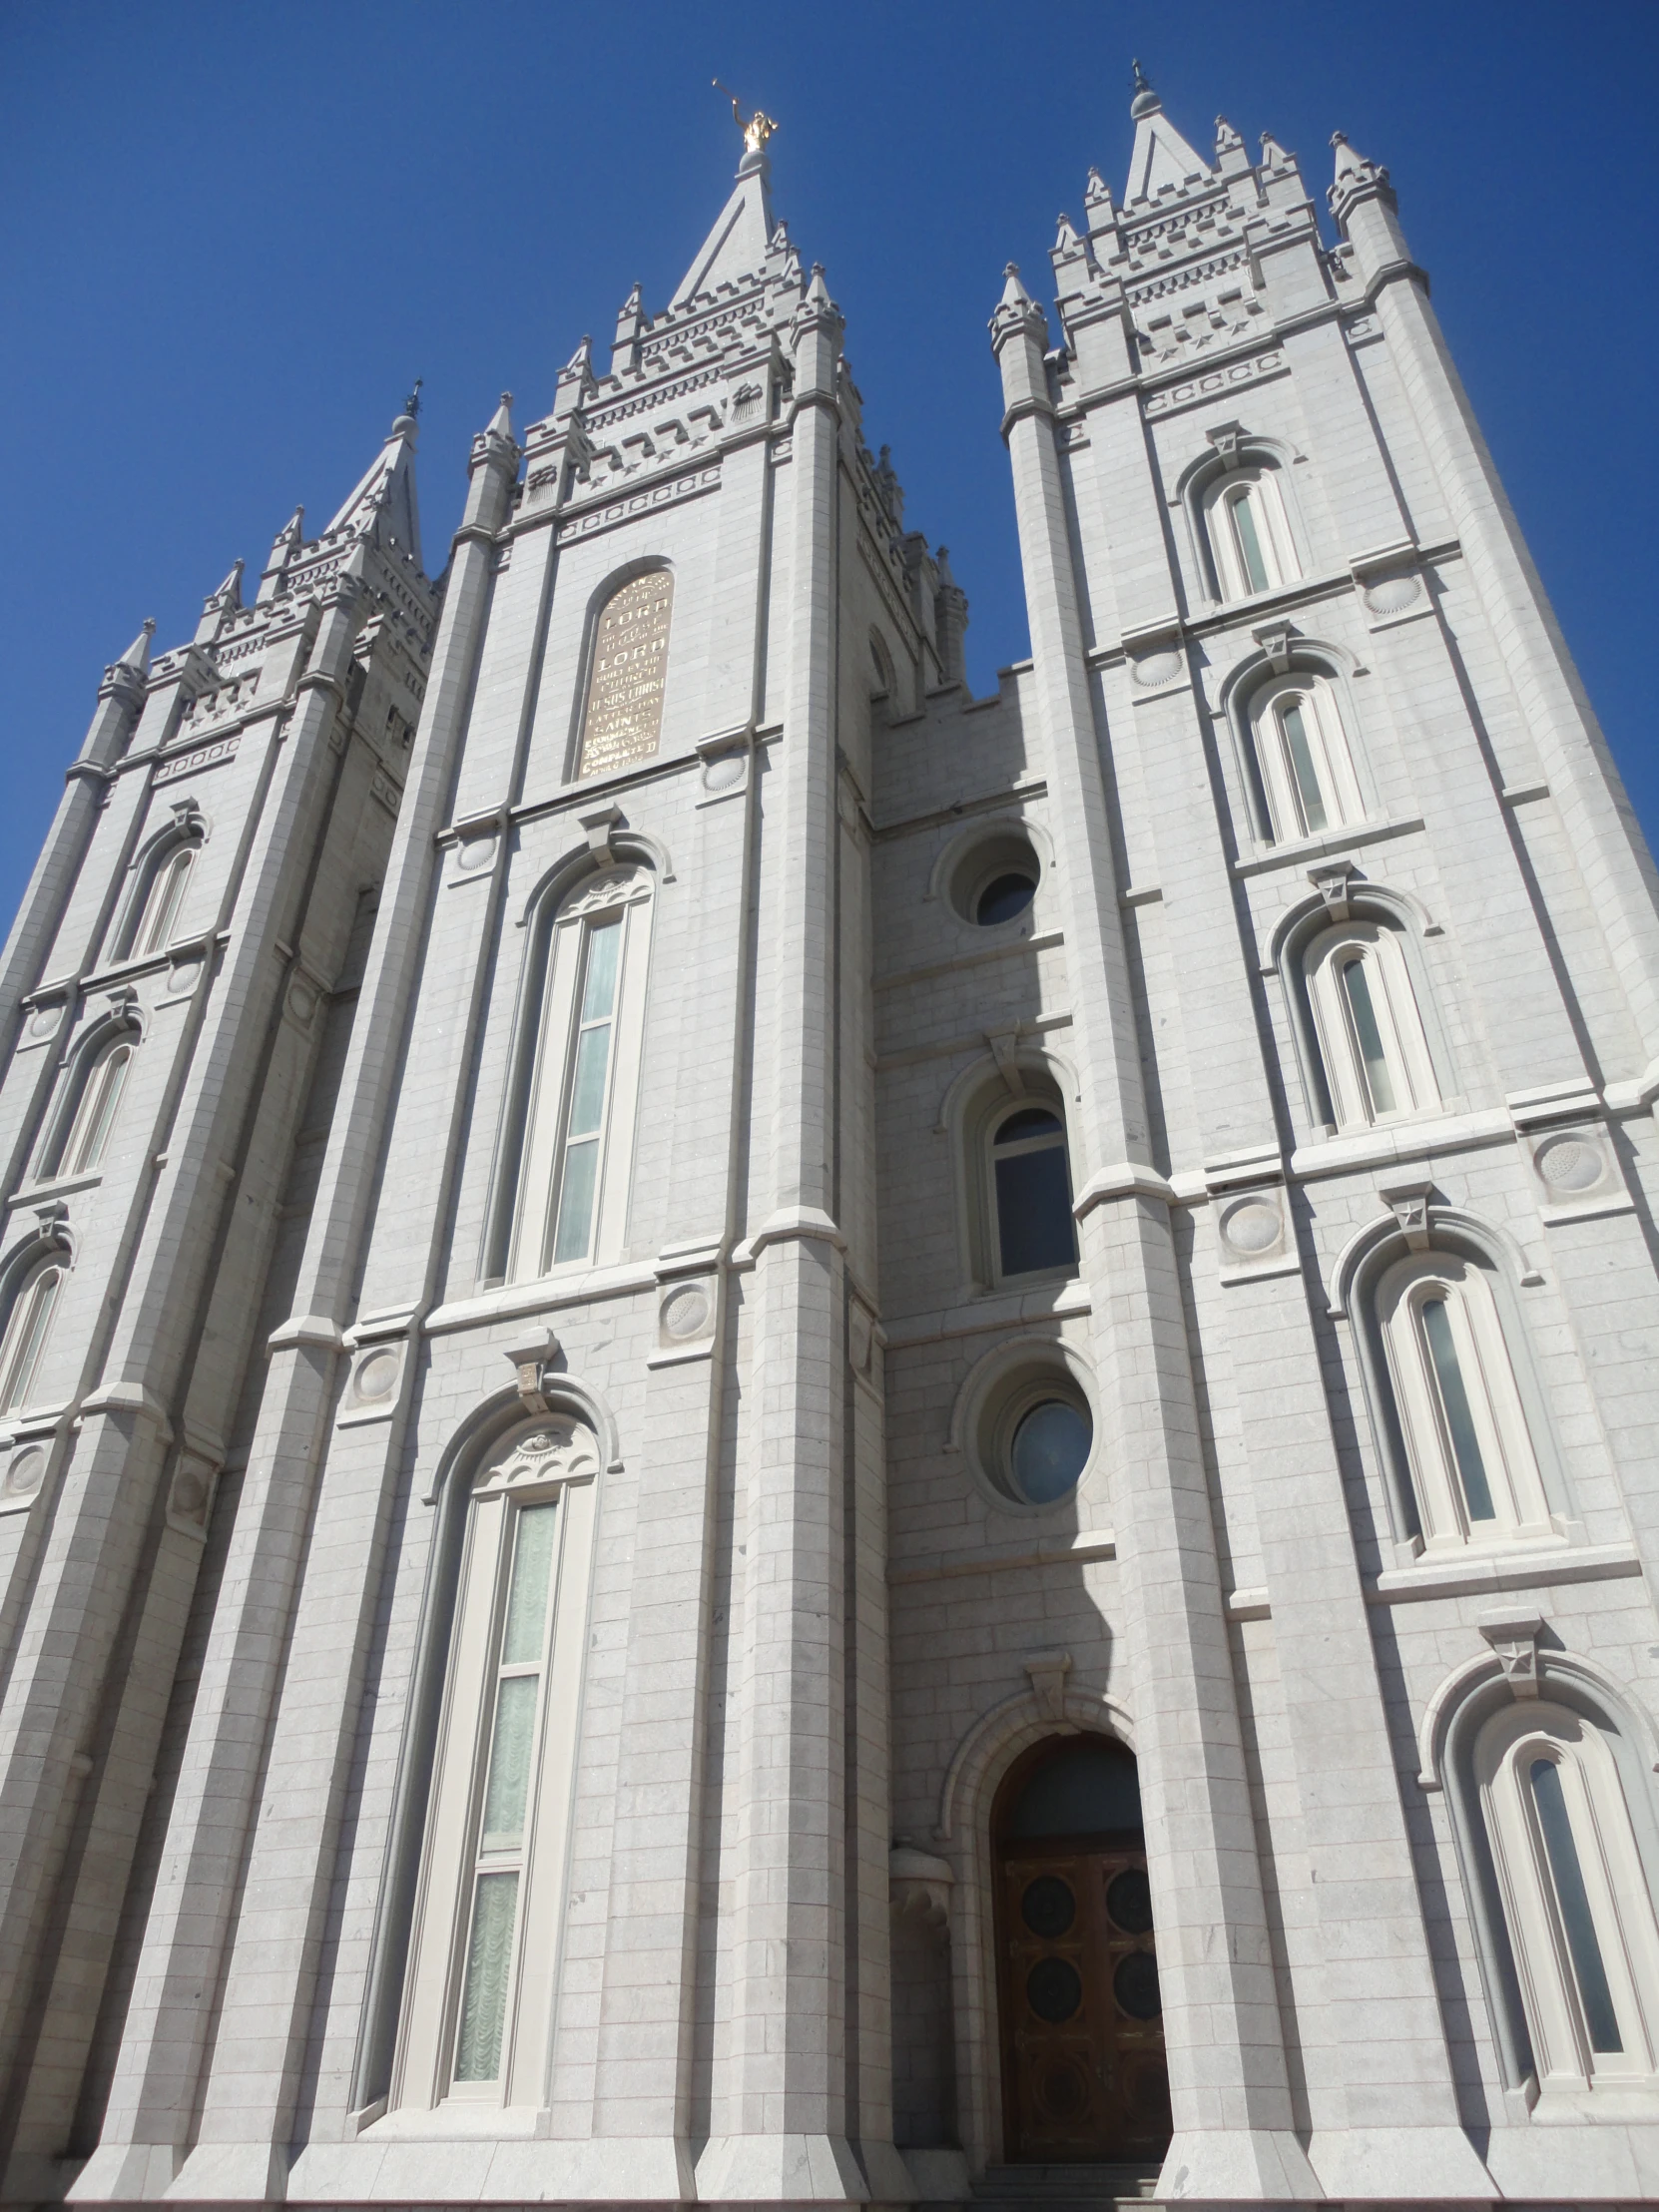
x,y
27,1335
1280,565
554,1461
97,1102
1571,2075
1508,1457
1393,1003
622,898
164,895
1329,754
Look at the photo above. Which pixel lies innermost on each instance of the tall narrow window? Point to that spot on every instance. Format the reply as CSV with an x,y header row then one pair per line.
x,y
573,1156
1302,753
477,2000
1031,1183
95,1111
27,1327
1369,1032
590,1088
1249,535
1473,1464
1575,1899
161,906
622,717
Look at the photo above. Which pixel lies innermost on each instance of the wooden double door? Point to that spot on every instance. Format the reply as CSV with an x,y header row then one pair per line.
x,y
1082,2028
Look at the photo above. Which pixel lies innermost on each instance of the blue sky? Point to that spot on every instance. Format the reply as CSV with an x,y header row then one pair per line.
x,y
229,240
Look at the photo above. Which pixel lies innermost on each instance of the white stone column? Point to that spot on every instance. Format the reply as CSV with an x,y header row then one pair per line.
x,y
780,2091
1229,2086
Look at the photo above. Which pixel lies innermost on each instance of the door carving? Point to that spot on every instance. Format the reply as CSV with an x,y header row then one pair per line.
x,y
1084,2071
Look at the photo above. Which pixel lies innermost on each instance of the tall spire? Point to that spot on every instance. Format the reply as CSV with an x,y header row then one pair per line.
x,y
1161,158
736,248
382,505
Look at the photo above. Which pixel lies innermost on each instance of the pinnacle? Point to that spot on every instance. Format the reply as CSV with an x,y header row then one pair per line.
x,y
137,654
1146,100
818,292
1014,293
501,422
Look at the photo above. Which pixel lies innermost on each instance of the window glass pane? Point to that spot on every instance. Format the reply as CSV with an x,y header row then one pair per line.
x,y
1454,1397
488,1963
1079,1792
25,1339
1050,1450
1303,773
1033,1211
1031,1121
1587,1965
598,993
165,896
587,1090
576,1201
96,1113
1379,1081
1004,897
527,1604
510,1759
1242,509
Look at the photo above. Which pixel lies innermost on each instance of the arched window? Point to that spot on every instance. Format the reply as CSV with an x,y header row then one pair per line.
x,y
622,715
575,1150
477,1997
1473,1469
27,1327
153,912
103,1078
1376,1058
1031,1192
1575,1896
1303,757
1250,532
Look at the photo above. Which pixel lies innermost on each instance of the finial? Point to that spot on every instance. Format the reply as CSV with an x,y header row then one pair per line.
x,y
757,130
1146,100
411,405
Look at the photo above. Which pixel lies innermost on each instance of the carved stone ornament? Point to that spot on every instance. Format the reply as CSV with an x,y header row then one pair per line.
x,y
1570,1163
1276,639
1514,1641
563,1450
1228,439
919,1883
1332,879
1408,1202
528,1355
1253,1226
1048,1671
687,1312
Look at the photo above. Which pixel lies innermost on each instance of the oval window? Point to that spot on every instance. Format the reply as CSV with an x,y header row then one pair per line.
x,y
1050,1450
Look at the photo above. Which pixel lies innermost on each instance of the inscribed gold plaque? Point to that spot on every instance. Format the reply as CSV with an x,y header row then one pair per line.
x,y
625,692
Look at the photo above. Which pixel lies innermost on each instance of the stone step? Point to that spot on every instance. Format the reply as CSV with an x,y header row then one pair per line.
x,y
1055,2188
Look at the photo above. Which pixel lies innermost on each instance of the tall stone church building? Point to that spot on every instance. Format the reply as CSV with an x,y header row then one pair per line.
x,y
772,1438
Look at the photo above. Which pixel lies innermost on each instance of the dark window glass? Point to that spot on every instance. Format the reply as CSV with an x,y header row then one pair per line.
x,y
1050,1451
1004,897
1090,1787
1033,1194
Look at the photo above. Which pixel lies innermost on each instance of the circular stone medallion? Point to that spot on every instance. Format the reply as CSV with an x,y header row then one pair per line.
x,y
686,1313
1252,1226
1569,1164
1393,595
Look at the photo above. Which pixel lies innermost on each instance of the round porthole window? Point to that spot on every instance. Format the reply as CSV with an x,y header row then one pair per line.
x,y
1035,1434
1049,1451
995,878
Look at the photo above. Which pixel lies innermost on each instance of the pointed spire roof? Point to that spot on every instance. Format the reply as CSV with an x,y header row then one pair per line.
x,y
137,654
1161,154
736,248
383,506
501,422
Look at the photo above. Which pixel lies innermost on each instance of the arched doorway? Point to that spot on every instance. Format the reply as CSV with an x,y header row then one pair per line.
x,y
1083,2070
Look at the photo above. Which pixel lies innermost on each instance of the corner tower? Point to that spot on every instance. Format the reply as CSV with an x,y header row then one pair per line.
x,y
533,1798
